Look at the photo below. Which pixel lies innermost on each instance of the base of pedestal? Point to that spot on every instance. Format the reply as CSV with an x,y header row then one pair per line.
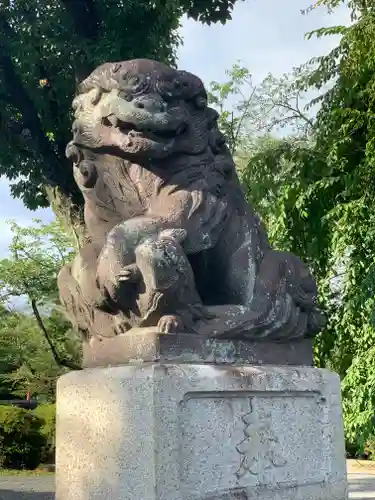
x,y
193,432
149,345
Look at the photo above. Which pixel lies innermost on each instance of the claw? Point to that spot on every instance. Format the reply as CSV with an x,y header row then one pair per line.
x,y
125,275
130,273
169,324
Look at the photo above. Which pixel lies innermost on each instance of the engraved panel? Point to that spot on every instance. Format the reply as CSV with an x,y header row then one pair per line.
x,y
260,447
234,440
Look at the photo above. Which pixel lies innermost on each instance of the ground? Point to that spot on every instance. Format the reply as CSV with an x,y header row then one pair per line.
x,y
27,487
362,487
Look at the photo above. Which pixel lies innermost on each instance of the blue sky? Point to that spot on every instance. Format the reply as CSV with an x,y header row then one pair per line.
x,y
265,35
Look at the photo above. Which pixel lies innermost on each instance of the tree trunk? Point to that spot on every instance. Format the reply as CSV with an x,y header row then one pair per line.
x,y
59,361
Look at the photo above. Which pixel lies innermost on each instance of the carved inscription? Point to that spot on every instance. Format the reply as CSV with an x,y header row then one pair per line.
x,y
248,439
259,448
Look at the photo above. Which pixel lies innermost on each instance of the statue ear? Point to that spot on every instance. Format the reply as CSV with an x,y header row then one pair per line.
x,y
175,234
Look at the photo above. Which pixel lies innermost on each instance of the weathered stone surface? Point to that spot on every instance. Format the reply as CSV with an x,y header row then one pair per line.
x,y
148,345
189,432
172,242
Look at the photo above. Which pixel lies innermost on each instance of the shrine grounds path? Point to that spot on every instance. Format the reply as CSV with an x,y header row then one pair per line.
x,y
361,487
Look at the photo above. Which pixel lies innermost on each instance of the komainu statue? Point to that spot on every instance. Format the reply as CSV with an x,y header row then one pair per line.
x,y
171,242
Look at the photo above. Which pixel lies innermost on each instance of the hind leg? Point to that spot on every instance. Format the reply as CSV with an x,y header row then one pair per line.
x,y
238,275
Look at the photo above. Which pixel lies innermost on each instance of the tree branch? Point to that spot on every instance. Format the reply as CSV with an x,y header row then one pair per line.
x,y
298,111
244,114
60,362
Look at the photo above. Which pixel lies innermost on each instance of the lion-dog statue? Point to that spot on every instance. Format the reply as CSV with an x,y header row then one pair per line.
x,y
171,241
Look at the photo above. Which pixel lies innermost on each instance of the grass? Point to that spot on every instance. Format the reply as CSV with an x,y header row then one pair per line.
x,y
36,472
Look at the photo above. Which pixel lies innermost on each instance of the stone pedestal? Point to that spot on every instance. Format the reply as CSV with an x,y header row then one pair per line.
x,y
180,431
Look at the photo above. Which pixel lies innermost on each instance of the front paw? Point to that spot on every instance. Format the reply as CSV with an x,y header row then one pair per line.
x,y
170,324
130,274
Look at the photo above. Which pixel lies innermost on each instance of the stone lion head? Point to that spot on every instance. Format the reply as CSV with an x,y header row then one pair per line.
x,y
142,109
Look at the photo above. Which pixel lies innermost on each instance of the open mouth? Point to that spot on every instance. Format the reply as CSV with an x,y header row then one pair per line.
x,y
133,130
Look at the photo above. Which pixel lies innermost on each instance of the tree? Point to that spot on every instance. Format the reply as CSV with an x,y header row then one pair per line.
x,y
26,363
248,111
316,194
345,132
47,47
357,6
36,255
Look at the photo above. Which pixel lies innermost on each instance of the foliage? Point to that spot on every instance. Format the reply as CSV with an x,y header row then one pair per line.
x,y
47,413
35,348
22,444
26,361
315,192
359,400
49,46
248,110
37,253
357,7
310,177
369,448
345,132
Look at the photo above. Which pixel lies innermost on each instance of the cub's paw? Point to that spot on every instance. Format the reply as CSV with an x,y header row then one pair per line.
x,y
170,324
130,274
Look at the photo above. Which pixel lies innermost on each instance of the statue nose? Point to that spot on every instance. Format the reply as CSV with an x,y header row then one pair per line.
x,y
149,103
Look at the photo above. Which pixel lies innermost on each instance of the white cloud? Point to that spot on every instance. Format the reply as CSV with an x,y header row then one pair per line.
x,y
266,35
